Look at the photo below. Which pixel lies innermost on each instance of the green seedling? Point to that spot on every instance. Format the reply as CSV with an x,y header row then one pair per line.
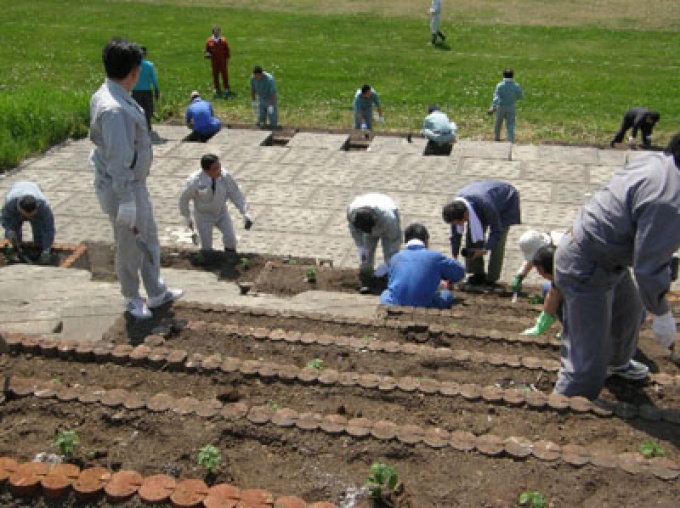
x,y
535,299
273,406
650,449
316,364
532,499
311,275
382,480
66,442
245,263
209,458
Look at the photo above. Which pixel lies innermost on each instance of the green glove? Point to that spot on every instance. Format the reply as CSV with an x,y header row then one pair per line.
x,y
543,324
516,285
45,258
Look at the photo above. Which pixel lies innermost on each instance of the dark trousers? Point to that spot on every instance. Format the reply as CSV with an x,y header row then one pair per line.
x,y
433,148
197,137
145,99
220,68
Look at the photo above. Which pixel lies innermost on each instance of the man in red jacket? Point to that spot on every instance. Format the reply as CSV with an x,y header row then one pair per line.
x,y
217,49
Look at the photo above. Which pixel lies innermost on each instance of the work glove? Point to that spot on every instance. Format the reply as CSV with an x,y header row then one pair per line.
x,y
631,140
247,222
364,126
516,285
543,324
381,119
12,237
188,222
664,329
270,109
363,254
45,257
255,105
490,111
127,214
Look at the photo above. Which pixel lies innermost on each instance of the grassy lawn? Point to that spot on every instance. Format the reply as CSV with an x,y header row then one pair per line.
x,y
581,64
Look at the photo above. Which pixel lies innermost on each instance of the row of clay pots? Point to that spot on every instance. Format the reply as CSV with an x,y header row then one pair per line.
x,y
30,479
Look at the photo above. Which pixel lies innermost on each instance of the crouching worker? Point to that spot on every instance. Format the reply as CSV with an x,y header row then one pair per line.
x,y
416,272
439,131
543,260
26,202
210,189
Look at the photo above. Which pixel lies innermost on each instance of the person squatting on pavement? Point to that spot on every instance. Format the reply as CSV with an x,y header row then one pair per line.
x,y
439,131
200,118
26,202
364,100
416,272
210,188
634,221
122,159
217,50
263,86
639,119
435,18
147,88
372,218
506,94
486,205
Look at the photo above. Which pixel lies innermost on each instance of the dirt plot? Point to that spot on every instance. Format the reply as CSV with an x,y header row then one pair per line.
x,y
300,403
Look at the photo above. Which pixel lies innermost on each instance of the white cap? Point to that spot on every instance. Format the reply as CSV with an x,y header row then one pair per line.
x,y
194,94
530,242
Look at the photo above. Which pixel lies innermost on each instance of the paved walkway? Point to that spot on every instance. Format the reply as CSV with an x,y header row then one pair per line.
x,y
298,194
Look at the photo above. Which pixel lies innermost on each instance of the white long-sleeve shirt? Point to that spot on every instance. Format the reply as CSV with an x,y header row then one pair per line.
x,y
198,188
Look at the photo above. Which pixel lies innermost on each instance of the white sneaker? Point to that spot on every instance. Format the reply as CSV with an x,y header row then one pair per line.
x,y
170,295
632,370
137,308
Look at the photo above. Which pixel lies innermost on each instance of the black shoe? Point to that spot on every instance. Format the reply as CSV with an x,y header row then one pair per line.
x,y
442,36
409,138
611,144
478,279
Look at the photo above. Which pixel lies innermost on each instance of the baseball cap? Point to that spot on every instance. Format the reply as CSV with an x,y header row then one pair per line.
x,y
530,242
194,94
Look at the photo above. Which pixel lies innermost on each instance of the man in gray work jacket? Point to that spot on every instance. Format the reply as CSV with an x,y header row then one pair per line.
x,y
633,222
122,159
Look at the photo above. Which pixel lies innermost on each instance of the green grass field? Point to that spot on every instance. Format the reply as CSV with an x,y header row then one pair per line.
x,y
581,64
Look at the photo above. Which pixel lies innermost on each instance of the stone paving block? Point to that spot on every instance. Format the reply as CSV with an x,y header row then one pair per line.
x,y
294,220
34,326
195,151
367,160
291,194
491,169
170,132
305,155
162,147
554,172
318,140
265,154
80,203
539,215
230,138
264,172
568,154
330,177
483,149
96,228
600,175
429,205
573,194
631,155
179,167
533,191
380,144
387,181
612,158
524,153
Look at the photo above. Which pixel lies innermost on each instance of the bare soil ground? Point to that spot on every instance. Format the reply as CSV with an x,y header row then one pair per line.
x,y
444,396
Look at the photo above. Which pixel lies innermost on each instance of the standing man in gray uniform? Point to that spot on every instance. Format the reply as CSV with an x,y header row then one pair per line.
x,y
634,221
372,218
122,159
210,189
435,19
26,202
263,86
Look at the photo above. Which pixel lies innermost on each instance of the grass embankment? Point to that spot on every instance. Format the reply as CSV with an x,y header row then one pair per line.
x,y
578,78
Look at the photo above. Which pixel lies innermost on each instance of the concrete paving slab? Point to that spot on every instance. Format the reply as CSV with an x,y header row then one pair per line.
x,y
381,144
483,150
318,140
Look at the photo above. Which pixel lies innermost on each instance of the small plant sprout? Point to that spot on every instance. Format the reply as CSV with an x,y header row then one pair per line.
x,y
209,458
316,364
66,442
382,480
650,449
245,263
311,275
532,499
273,406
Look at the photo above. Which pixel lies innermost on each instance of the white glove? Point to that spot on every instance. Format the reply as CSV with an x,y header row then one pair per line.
x,y
127,214
381,119
188,222
664,329
364,126
255,105
631,140
363,254
270,109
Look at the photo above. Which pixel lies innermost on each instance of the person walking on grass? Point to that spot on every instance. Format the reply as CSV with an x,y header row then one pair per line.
x,y
217,50
505,96
122,158
147,88
264,98
416,272
210,188
633,222
435,18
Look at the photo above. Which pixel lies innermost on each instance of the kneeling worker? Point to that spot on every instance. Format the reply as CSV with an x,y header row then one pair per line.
x,y
439,131
416,272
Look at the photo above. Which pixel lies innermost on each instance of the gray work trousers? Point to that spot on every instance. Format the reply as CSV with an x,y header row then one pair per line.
x,y
205,222
130,261
602,318
496,256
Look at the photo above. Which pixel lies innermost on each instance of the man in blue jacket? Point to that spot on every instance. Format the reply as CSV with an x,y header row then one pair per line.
x,y
416,272
486,205
26,202
201,119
